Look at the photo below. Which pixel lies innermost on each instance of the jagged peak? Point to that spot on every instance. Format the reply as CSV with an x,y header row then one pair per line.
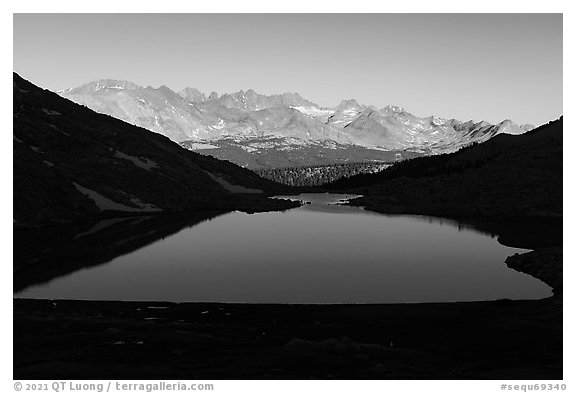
x,y
509,127
165,88
291,94
393,108
193,89
437,121
192,94
348,102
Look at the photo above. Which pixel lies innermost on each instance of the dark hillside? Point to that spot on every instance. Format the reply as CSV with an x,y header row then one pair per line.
x,y
508,178
71,163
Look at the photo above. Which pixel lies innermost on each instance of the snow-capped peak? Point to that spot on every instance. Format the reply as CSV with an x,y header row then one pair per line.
x,y
509,127
438,121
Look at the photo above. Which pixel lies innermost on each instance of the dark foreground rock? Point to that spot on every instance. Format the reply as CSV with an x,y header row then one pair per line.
x,y
143,340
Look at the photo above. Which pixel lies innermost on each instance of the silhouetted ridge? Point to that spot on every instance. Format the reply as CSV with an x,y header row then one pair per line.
x,y
71,163
509,177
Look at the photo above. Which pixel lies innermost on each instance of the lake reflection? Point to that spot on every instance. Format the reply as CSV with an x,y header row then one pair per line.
x,y
319,253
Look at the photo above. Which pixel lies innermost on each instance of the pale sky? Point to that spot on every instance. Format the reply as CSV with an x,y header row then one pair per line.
x,y
466,66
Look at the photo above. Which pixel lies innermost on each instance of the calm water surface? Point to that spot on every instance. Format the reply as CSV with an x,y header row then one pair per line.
x,y
319,253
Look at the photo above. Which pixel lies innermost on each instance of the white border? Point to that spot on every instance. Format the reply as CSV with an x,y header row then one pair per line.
x,y
304,6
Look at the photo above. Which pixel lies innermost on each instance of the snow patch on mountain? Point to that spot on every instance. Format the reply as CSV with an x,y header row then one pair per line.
x,y
103,203
50,112
249,149
232,188
143,163
438,121
201,146
314,111
220,125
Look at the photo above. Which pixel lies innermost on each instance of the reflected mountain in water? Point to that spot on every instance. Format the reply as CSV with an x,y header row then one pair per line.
x,y
42,254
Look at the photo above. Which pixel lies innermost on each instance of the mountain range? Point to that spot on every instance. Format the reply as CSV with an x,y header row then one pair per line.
x,y
253,124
